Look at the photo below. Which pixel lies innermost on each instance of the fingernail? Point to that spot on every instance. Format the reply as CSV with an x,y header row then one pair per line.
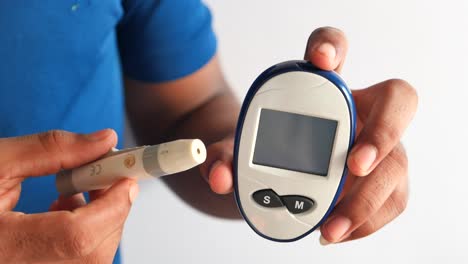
x,y
98,135
337,227
327,49
323,241
364,156
133,193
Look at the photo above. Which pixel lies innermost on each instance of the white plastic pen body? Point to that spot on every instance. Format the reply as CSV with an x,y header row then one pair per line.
x,y
139,163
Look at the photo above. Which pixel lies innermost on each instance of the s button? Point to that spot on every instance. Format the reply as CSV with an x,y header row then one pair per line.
x,y
267,198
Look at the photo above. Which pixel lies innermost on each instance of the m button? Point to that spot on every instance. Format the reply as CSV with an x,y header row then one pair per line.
x,y
267,198
297,204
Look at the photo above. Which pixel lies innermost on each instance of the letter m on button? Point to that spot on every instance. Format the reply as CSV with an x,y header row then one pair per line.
x,y
299,205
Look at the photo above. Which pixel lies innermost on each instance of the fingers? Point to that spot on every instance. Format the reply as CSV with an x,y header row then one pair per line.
x,y
68,203
47,153
367,197
95,194
105,252
9,198
392,208
221,178
108,211
327,48
217,169
388,108
66,235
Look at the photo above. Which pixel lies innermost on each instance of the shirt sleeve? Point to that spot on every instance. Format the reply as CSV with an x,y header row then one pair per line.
x,y
165,40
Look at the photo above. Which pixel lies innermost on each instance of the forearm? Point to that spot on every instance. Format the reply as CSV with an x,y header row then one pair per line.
x,y
213,121
198,106
210,122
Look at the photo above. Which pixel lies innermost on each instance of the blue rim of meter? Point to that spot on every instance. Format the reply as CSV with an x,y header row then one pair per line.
x,y
290,66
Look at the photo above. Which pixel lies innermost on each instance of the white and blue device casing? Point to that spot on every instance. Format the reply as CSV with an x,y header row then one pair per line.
x,y
292,108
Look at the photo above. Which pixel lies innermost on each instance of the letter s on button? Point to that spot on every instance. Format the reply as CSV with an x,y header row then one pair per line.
x,y
267,198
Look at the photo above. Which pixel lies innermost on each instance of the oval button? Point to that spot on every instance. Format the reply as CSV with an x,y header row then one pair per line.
x,y
267,198
297,204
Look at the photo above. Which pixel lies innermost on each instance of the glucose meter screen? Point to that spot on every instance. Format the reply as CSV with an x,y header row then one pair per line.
x,y
294,142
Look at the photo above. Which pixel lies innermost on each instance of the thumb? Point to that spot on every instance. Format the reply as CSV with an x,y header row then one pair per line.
x,y
327,48
47,153
112,204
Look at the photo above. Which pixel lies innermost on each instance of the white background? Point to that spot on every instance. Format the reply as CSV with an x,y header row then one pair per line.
x,y
424,42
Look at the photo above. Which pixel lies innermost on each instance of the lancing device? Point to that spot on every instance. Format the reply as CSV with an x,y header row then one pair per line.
x,y
138,163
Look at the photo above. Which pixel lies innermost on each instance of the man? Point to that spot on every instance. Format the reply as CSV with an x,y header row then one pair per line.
x,y
63,63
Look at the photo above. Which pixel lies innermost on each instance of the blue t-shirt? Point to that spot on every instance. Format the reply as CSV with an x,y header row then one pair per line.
x,y
62,64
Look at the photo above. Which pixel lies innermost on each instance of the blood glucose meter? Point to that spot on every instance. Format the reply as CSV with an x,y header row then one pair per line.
x,y
296,127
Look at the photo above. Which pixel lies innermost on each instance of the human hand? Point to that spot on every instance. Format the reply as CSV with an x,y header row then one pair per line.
x,y
73,231
376,189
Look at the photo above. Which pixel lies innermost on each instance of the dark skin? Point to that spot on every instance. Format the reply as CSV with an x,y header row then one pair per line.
x,y
198,106
73,231
203,106
194,103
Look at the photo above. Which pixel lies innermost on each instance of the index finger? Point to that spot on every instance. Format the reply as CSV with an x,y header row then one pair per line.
x,y
387,109
47,153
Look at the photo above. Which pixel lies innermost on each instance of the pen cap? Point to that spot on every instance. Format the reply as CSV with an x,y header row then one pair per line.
x,y
181,155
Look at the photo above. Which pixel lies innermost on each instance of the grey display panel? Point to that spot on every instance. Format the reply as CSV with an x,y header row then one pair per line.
x,y
294,142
